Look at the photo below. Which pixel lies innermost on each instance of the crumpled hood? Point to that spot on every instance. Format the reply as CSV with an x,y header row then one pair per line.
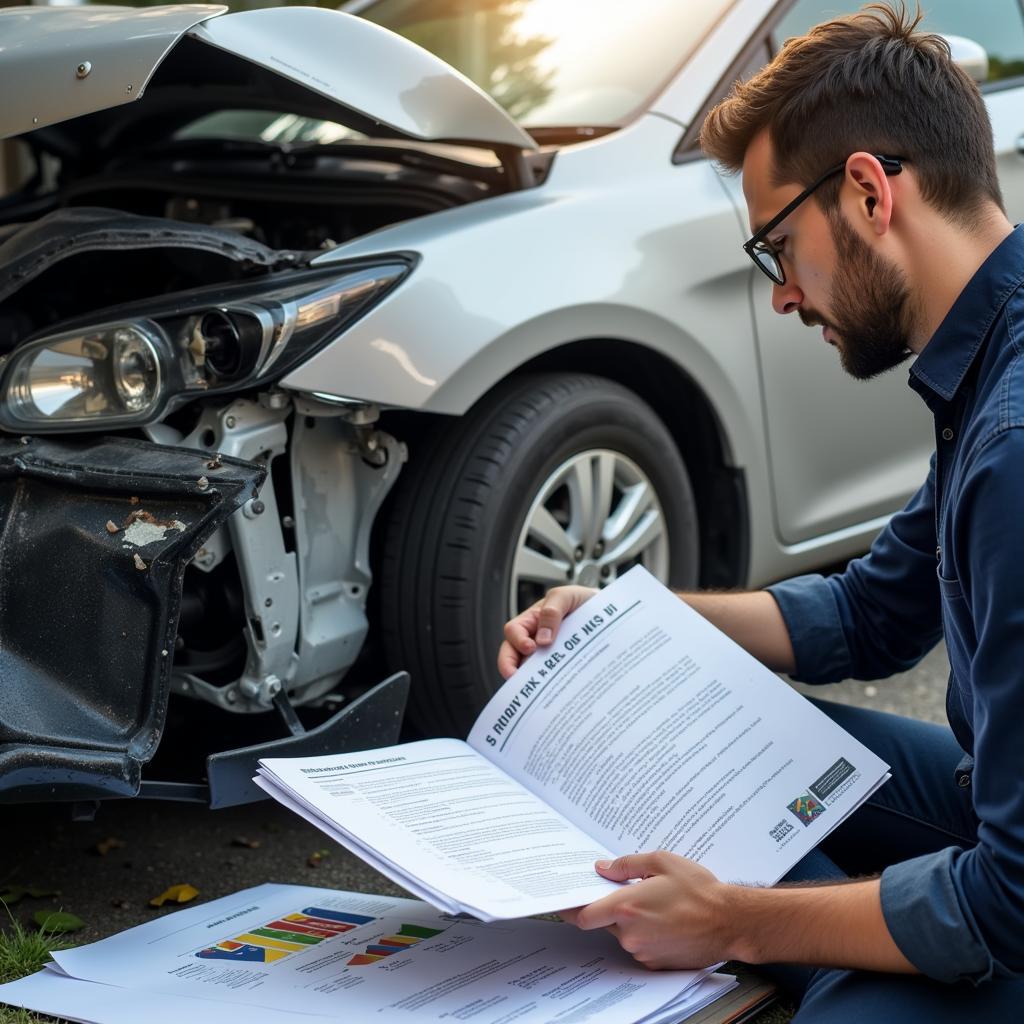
x,y
58,64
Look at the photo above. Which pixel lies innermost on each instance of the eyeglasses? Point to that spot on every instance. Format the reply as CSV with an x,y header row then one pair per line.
x,y
765,255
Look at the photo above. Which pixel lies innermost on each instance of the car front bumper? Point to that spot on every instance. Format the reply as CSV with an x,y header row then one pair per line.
x,y
94,540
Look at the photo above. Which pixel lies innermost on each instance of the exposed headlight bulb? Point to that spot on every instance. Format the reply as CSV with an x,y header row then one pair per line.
x,y
136,369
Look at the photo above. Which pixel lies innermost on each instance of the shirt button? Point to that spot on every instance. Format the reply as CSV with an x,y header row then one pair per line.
x,y
947,434
963,779
938,554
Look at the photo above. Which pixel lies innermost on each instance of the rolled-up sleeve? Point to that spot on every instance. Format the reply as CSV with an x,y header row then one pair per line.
x,y
881,615
930,922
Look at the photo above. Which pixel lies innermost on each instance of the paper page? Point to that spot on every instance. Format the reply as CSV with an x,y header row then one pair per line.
x,y
74,1000
695,999
453,820
357,957
385,867
71,999
651,729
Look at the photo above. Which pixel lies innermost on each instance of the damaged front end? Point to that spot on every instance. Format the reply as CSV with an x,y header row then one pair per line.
x,y
174,519
94,540
96,535
120,556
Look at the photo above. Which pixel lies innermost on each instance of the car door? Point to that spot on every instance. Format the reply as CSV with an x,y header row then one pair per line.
x,y
845,451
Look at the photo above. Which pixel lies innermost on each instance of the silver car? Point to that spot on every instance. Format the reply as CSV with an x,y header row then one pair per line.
x,y
314,349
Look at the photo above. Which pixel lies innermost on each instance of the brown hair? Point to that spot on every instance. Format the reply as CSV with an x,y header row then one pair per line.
x,y
867,81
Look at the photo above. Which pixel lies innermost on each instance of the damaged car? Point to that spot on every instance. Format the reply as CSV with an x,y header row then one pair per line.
x,y
317,352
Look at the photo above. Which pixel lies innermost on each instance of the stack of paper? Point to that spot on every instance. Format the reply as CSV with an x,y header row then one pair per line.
x,y
280,954
641,728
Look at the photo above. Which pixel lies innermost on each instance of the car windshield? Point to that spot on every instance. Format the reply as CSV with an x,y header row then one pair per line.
x,y
556,63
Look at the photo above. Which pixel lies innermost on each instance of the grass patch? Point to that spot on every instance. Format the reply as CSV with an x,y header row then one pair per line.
x,y
23,952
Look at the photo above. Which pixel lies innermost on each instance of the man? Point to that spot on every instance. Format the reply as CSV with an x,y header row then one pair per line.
x,y
870,182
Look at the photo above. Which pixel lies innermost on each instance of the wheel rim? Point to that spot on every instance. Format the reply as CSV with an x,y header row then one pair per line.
x,y
595,516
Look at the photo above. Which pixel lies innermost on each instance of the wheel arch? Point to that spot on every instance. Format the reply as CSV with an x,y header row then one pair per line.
x,y
686,410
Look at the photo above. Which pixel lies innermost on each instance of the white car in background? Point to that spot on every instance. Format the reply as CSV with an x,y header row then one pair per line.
x,y
311,348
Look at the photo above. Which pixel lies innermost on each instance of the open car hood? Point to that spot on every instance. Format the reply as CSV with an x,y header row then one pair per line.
x,y
59,64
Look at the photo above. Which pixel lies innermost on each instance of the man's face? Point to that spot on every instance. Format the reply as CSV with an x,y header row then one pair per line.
x,y
834,279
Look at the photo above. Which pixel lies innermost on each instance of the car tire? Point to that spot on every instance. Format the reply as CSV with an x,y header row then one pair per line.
x,y
461,516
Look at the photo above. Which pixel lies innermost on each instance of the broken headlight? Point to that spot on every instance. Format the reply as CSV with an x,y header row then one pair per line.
x,y
131,369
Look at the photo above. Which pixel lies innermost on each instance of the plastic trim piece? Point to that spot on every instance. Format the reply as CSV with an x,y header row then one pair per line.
x,y
373,720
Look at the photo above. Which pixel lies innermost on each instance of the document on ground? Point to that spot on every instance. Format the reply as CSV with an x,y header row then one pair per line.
x,y
650,729
355,957
56,994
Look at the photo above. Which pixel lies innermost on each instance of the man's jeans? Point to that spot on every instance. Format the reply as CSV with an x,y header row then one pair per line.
x,y
919,810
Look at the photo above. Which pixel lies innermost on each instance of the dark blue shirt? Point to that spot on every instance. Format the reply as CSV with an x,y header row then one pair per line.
x,y
951,564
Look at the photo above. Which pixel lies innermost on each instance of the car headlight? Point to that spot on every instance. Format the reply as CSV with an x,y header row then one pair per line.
x,y
130,370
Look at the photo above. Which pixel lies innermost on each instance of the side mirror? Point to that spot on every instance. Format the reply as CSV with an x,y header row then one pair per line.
x,y
971,56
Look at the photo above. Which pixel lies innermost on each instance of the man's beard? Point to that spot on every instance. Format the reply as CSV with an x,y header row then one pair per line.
x,y
870,306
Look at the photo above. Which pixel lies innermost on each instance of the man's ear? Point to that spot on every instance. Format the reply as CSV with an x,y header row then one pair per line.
x,y
867,195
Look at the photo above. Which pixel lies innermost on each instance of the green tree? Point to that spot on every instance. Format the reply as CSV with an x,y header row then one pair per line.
x,y
479,37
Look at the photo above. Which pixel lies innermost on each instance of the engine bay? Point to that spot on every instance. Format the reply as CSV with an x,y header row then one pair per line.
x,y
270,198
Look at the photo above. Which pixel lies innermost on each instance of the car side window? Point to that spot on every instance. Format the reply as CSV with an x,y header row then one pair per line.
x,y
997,25
756,55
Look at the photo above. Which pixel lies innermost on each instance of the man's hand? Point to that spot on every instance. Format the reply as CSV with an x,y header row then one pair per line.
x,y
537,625
680,916
674,918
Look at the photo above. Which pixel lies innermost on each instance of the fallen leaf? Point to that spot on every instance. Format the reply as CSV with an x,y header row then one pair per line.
x,y
139,563
249,844
110,843
176,894
315,859
112,527
13,893
57,922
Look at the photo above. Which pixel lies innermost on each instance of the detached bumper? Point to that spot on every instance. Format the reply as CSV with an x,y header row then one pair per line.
x,y
94,540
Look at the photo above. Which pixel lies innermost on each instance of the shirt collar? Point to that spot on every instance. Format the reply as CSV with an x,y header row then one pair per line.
x,y
945,360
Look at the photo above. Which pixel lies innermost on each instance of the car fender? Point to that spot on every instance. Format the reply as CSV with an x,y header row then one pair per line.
x,y
619,243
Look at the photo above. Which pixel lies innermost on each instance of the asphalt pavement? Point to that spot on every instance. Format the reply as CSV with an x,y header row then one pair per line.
x,y
920,693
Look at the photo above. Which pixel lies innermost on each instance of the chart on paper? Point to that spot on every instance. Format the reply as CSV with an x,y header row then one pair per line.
x,y
408,935
289,934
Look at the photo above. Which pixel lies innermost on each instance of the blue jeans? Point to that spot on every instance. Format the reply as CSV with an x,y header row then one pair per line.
x,y
920,810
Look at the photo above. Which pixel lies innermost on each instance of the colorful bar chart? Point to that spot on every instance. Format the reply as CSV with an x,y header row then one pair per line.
x,y
408,935
283,936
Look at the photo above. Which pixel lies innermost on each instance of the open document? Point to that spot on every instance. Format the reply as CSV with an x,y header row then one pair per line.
x,y
283,954
642,727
